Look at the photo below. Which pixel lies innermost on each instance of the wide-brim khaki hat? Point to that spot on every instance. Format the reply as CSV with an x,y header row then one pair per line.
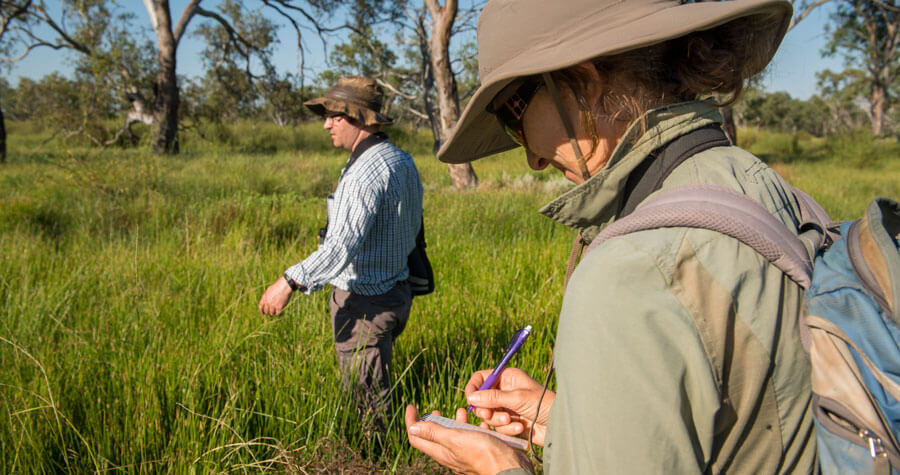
x,y
356,97
519,38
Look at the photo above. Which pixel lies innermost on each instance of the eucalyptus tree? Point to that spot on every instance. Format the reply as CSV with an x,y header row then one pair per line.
x,y
841,92
867,34
442,19
418,70
108,57
237,57
85,27
300,15
11,13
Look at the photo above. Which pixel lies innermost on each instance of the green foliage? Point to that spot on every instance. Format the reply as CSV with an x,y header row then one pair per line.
x,y
774,146
5,90
106,57
779,112
129,335
862,150
842,93
77,110
362,55
230,89
859,149
866,33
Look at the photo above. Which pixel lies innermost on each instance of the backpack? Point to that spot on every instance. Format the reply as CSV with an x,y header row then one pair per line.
x,y
421,276
851,274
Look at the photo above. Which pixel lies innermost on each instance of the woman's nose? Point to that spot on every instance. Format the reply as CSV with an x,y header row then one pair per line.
x,y
535,161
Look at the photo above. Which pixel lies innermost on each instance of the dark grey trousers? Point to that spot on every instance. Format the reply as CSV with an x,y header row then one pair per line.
x,y
365,328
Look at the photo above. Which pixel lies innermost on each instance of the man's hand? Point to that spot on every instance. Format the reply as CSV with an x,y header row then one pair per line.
x,y
510,409
463,451
276,298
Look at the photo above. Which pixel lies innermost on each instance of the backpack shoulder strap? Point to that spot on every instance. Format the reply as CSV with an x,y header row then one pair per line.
x,y
720,209
648,177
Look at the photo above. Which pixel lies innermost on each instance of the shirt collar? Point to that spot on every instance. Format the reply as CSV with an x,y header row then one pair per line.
x,y
366,143
593,204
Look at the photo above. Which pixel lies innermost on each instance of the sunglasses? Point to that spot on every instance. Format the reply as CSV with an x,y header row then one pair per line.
x,y
511,110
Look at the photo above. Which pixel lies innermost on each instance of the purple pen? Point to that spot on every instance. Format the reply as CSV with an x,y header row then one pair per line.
x,y
513,347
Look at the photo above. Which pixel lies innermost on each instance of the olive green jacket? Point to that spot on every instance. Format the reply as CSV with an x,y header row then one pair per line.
x,y
678,350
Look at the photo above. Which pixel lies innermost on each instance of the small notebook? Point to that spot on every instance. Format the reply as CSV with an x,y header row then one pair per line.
x,y
513,442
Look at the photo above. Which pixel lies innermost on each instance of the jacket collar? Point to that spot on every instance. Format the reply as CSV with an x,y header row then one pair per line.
x,y
593,204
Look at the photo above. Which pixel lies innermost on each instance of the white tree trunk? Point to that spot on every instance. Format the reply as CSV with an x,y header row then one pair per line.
x,y
461,175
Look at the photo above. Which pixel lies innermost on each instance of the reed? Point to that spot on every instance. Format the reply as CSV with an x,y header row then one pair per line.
x,y
129,334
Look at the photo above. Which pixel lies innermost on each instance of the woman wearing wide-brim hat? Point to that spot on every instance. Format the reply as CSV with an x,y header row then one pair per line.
x,y
677,350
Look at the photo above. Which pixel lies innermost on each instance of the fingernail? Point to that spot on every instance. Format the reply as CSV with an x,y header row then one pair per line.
x,y
473,398
413,430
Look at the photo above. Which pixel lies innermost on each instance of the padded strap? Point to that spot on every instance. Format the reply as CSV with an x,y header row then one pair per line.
x,y
723,210
648,177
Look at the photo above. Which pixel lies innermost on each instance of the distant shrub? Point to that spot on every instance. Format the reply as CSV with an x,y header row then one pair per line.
x,y
38,217
746,138
214,132
860,149
418,142
254,137
24,127
774,147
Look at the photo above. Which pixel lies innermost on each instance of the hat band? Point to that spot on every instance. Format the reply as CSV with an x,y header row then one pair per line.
x,y
347,94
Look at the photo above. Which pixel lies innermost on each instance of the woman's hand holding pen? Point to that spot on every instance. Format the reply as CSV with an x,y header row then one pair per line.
x,y
463,451
511,408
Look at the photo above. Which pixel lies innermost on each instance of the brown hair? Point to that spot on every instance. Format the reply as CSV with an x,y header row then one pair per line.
x,y
718,61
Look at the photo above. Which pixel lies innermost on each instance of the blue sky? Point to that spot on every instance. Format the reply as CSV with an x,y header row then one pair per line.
x,y
792,70
799,58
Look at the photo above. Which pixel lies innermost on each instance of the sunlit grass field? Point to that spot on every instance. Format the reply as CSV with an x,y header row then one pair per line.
x,y
129,334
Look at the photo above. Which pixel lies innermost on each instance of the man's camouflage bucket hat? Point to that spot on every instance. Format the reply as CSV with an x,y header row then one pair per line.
x,y
356,97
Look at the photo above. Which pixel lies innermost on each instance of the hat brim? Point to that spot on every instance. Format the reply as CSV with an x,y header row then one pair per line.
x,y
478,134
322,105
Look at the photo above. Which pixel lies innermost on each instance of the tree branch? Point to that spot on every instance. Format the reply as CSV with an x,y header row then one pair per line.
x,y
70,42
20,11
28,49
151,10
892,8
393,89
186,17
809,8
233,35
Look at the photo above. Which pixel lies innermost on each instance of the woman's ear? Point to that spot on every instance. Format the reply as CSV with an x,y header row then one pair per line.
x,y
595,83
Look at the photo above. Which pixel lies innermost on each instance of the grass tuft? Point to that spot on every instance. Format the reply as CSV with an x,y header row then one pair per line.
x,y
129,334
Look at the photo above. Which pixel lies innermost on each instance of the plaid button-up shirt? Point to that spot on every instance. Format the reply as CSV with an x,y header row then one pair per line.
x,y
373,218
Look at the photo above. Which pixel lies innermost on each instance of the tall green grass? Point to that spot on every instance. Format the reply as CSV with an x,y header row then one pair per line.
x,y
129,334
128,292
842,172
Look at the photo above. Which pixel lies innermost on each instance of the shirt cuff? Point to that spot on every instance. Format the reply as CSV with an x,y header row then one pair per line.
x,y
298,275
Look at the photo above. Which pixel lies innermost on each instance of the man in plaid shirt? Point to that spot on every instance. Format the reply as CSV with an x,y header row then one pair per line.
x,y
373,219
